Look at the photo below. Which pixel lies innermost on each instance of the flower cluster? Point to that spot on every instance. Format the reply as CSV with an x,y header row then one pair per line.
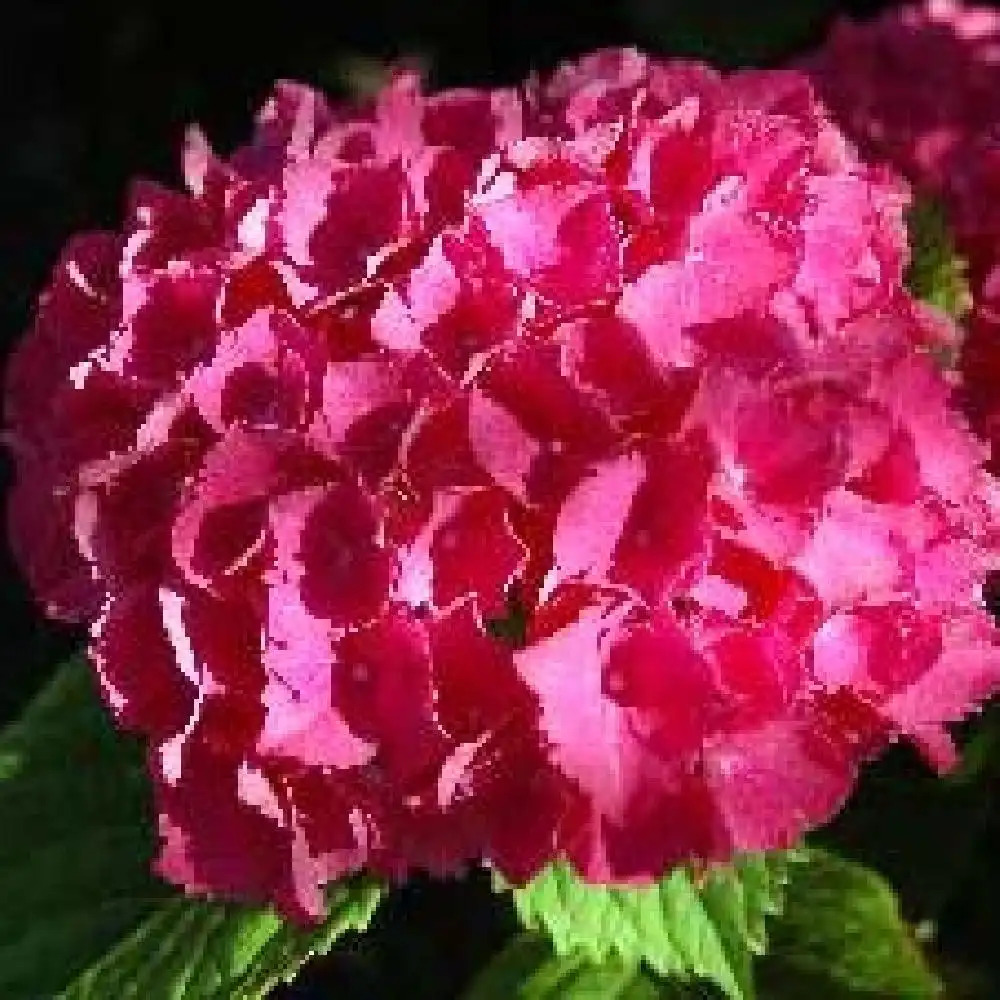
x,y
506,475
917,88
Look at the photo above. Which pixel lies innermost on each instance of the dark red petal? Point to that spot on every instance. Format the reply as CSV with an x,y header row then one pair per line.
x,y
346,571
133,651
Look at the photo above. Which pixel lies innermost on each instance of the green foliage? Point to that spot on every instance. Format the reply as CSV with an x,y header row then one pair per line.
x,y
78,904
201,950
75,848
527,969
936,274
915,828
842,935
683,926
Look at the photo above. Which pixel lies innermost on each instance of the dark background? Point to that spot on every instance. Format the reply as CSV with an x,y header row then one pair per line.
x,y
95,93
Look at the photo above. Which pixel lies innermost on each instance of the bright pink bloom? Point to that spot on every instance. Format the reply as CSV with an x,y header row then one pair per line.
x,y
627,351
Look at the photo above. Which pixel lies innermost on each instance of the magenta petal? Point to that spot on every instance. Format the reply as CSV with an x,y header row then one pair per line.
x,y
170,324
790,445
136,663
665,534
123,521
478,691
560,241
368,406
334,219
265,374
669,298
75,316
878,568
591,521
164,226
654,670
590,734
476,553
224,830
382,685
344,570
458,302
40,534
772,784
532,429
608,359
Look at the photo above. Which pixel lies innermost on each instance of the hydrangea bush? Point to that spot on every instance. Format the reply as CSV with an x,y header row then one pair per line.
x,y
554,474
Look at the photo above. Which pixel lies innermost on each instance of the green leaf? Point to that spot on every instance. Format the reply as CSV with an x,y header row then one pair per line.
x,y
75,849
944,819
686,927
203,950
78,902
842,935
527,969
936,273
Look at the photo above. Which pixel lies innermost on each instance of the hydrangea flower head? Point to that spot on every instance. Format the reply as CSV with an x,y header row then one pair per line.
x,y
559,471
